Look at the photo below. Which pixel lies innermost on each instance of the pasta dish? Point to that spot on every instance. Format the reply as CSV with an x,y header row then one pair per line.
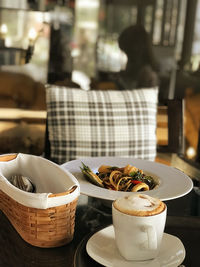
x,y
128,178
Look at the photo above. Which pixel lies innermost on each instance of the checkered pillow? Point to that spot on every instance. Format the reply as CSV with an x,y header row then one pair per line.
x,y
101,123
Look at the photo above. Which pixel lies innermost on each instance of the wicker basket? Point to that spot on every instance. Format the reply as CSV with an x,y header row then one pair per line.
x,y
51,227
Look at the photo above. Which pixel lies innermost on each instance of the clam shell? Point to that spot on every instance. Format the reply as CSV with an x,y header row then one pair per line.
x,y
22,182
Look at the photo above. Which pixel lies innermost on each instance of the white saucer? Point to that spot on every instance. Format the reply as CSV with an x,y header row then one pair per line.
x,y
101,247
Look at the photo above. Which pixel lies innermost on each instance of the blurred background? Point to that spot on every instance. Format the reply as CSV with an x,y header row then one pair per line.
x,y
75,43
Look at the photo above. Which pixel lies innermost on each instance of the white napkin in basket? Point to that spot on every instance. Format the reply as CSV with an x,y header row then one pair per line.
x,y
48,178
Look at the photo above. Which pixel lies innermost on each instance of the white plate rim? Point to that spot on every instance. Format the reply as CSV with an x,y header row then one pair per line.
x,y
173,182
92,246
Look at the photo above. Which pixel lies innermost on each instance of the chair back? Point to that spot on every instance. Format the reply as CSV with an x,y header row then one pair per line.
x,y
170,126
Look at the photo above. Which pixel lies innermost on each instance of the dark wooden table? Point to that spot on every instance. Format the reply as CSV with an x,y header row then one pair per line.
x,y
183,221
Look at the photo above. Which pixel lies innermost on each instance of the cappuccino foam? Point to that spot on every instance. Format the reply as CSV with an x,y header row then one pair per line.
x,y
139,205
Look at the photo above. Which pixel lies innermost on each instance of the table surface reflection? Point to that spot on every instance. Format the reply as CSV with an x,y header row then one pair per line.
x,y
183,221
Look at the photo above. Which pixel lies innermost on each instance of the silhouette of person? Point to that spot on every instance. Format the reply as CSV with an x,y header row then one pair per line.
x,y
141,69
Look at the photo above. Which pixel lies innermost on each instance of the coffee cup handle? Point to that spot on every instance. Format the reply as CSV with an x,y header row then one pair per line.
x,y
151,243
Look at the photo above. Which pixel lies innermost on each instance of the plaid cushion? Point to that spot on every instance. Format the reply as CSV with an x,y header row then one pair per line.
x,y
101,123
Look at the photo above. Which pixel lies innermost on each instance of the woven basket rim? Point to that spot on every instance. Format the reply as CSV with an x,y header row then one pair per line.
x,y
39,200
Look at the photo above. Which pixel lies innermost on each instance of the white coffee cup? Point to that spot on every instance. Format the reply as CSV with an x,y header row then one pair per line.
x,y
138,237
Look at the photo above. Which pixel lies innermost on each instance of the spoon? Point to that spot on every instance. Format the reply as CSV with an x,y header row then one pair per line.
x,y
22,182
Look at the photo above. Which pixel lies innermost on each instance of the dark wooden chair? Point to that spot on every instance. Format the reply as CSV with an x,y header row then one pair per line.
x,y
171,112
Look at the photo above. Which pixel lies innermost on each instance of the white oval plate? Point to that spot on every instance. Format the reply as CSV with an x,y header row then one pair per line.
x,y
173,182
101,247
